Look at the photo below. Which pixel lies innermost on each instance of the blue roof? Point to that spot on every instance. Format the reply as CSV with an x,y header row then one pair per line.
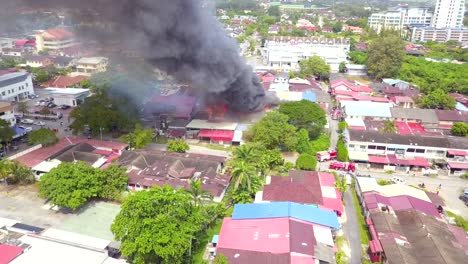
x,y
310,96
303,212
215,239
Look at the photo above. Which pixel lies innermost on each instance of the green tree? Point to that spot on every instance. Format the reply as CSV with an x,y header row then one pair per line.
x,y
305,114
342,126
140,138
385,57
389,127
358,57
177,145
41,75
18,173
157,226
70,185
341,150
23,107
321,143
246,153
274,131
6,132
306,162
274,11
459,129
341,185
113,180
291,75
197,194
314,66
437,99
43,136
5,170
342,67
8,63
220,258
256,154
302,141
337,27
242,174
45,111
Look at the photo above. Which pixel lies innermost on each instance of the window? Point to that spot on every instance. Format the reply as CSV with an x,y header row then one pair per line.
x,y
390,149
27,84
351,146
420,150
380,148
3,93
411,150
362,147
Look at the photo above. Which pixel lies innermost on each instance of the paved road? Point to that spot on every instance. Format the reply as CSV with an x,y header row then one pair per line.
x,y
351,229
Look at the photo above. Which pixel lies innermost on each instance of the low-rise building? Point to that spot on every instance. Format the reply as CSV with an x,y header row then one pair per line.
x,y
403,101
356,70
68,96
55,40
448,117
7,113
427,117
91,65
38,61
424,34
15,86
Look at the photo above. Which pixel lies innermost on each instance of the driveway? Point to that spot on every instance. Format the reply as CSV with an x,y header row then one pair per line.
x,y
351,229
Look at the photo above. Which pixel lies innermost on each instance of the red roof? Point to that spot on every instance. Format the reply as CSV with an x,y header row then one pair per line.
x,y
378,159
417,161
370,98
403,99
58,34
458,152
339,82
361,89
217,135
9,253
458,165
375,246
65,81
326,179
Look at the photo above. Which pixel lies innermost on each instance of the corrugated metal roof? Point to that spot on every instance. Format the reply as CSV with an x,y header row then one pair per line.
x,y
12,78
310,96
365,108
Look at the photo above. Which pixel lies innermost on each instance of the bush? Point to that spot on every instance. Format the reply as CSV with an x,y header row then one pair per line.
x,y
321,143
459,129
177,145
459,220
43,136
383,182
341,151
342,126
464,176
306,162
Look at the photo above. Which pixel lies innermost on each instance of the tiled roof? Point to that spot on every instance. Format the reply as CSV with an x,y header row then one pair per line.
x,y
65,81
58,34
452,115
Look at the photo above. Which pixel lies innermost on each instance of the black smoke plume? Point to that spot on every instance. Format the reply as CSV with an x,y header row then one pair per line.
x,y
181,37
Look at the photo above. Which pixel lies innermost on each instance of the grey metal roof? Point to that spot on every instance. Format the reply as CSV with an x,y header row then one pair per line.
x,y
425,115
12,78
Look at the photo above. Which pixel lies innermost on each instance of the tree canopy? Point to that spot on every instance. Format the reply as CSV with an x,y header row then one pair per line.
x,y
305,114
70,185
274,131
341,150
306,162
385,56
429,76
6,132
459,129
389,127
157,226
314,66
358,57
177,145
139,138
14,172
437,99
43,136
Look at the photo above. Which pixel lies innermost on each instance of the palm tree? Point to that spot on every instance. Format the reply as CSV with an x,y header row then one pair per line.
x,y
242,174
197,194
244,152
341,185
389,127
5,170
21,173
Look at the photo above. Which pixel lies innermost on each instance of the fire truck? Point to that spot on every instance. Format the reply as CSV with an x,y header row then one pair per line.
x,y
346,166
326,155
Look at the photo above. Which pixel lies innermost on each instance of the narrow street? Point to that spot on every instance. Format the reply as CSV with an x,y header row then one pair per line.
x,y
351,229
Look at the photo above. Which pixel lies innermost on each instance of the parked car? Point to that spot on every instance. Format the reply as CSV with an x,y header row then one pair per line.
x,y
37,103
32,96
28,129
43,103
397,180
27,121
51,105
39,123
64,107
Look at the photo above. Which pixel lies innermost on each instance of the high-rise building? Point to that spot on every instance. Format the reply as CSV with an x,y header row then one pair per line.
x,y
448,14
399,18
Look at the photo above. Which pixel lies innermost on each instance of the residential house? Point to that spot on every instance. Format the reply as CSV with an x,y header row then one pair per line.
x,y
62,62
391,91
404,101
68,96
65,81
356,70
305,187
327,29
38,61
448,117
282,77
11,52
345,85
157,168
274,29
462,101
426,117
220,132
15,86
7,113
55,40
355,30
356,111
91,65
361,46
397,83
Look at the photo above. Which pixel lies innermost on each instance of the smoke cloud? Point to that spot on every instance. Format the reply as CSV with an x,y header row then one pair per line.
x,y
180,37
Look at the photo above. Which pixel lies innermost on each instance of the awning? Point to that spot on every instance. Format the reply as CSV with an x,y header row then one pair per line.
x,y
358,156
458,165
237,136
217,135
458,152
378,159
375,247
418,161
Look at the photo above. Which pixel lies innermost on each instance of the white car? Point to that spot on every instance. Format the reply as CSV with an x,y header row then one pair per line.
x,y
43,103
27,121
37,104
397,180
39,123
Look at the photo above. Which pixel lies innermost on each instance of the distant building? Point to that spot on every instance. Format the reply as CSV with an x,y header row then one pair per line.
x,y
38,61
91,65
355,30
448,14
6,112
68,96
424,34
15,86
400,17
284,53
55,40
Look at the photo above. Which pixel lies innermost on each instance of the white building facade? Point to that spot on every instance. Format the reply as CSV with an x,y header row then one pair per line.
x,y
15,86
6,112
285,53
439,34
400,18
448,14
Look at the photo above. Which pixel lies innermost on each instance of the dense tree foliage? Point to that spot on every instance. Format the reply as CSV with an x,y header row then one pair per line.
x,y
13,172
341,150
460,129
358,57
342,126
314,66
303,141
236,4
139,138
257,155
429,76
437,99
306,162
70,185
22,107
274,11
341,185
8,63
43,136
177,145
220,259
6,132
158,226
389,127
305,114
448,50
274,131
104,114
321,143
385,56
